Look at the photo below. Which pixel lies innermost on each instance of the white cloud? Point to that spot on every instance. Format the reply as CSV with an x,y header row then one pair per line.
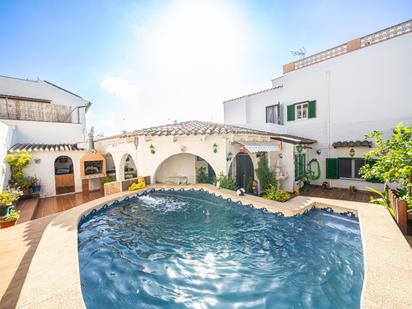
x,y
122,88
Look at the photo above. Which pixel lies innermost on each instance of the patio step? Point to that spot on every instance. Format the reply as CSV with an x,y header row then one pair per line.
x,y
27,209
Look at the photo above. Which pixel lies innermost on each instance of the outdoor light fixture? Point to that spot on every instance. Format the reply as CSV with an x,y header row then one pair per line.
x,y
280,155
318,151
36,160
352,152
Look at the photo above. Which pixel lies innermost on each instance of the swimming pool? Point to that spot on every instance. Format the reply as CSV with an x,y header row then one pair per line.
x,y
195,250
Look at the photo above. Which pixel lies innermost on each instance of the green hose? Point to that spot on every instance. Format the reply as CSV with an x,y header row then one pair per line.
x,y
312,173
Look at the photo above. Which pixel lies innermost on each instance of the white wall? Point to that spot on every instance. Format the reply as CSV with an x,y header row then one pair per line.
x,y
46,132
356,93
6,136
183,164
44,169
38,89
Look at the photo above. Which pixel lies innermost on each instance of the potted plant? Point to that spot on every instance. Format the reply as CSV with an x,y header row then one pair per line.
x,y
35,185
8,200
10,219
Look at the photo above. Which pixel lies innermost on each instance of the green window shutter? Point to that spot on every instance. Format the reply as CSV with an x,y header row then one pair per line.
x,y
332,168
312,109
291,112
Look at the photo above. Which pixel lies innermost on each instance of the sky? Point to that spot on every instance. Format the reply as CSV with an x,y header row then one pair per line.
x,y
146,63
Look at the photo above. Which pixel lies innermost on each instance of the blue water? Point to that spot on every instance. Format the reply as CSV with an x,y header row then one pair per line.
x,y
195,250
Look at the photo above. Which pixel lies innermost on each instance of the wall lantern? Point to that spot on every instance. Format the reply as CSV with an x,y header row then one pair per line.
x,y
152,149
319,151
36,160
280,155
352,152
229,157
214,148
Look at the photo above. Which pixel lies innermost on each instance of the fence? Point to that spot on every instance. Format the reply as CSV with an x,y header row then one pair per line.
x,y
35,111
400,208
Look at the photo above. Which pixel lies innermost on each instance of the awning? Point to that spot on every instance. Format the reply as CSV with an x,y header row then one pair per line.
x,y
44,147
261,146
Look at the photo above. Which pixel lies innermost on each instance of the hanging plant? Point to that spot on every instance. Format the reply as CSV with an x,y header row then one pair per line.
x,y
229,157
215,148
152,149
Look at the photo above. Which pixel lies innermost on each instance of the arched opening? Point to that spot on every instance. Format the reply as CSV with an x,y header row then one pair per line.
x,y
63,175
241,170
129,167
184,168
110,166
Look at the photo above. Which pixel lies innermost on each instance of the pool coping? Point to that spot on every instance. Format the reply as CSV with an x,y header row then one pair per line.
x,y
53,278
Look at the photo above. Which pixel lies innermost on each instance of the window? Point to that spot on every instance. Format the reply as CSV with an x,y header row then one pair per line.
x,y
301,111
273,114
349,167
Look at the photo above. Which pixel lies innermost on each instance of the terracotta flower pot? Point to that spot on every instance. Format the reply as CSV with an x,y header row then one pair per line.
x,y
6,224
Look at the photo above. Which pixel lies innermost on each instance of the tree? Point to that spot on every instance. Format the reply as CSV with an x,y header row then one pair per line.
x,y
391,159
264,174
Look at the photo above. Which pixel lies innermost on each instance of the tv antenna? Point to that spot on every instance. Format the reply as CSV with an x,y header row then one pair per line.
x,y
301,52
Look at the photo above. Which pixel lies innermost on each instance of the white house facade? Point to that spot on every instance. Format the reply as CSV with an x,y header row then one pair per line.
x,y
336,97
50,123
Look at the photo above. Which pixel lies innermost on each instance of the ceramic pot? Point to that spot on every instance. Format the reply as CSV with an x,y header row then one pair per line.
x,y
6,224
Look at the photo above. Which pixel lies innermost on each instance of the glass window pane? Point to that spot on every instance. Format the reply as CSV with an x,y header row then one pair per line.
x,y
358,164
345,168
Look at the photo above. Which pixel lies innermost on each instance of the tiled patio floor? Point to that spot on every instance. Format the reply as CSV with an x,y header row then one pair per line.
x,y
337,193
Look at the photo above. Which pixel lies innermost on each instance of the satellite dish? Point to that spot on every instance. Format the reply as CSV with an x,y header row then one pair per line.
x,y
301,52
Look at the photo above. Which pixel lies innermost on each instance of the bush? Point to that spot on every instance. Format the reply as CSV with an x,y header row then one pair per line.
x,y
18,162
226,182
266,176
277,195
201,175
108,179
9,197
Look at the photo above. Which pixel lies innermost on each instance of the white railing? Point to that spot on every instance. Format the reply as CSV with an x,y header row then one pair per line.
x,y
327,54
387,33
367,40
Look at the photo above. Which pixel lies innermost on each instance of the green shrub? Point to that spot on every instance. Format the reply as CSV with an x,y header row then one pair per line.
x,y
249,186
226,182
108,179
18,162
277,195
201,175
264,174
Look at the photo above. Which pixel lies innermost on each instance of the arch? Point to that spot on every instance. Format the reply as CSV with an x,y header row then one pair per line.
x,y
184,168
127,167
64,175
110,165
241,169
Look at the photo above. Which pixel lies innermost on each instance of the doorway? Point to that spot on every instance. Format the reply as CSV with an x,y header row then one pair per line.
x,y
63,175
244,170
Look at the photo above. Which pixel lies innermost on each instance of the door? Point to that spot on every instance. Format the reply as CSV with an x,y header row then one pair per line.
x,y
244,169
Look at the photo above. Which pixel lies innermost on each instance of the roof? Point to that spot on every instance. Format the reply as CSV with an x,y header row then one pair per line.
x,y
250,94
44,147
13,97
341,144
293,139
196,127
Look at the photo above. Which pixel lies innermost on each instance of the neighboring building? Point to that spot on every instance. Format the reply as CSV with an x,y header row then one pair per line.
x,y
49,122
335,97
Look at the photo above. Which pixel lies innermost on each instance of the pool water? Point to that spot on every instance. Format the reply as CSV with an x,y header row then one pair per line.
x,y
195,250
